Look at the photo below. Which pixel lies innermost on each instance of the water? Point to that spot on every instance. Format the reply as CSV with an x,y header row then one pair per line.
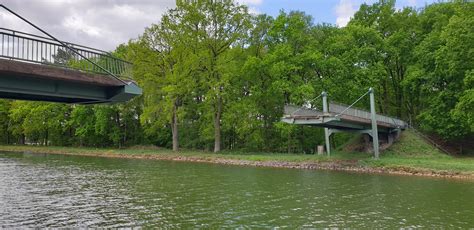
x,y
57,191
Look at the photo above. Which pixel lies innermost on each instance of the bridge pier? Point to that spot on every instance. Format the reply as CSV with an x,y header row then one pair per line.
x,y
392,136
390,139
367,142
386,139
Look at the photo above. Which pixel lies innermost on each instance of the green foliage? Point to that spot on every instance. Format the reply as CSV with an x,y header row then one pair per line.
x,y
43,123
39,122
4,121
215,77
446,56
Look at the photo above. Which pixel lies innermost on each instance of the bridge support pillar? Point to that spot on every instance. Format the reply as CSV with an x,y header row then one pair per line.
x,y
326,139
367,142
392,136
327,134
390,139
375,134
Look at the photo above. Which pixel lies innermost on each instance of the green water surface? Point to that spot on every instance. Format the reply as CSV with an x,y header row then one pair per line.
x,y
69,191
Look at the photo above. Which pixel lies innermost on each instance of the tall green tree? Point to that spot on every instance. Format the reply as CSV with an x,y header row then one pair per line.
x,y
399,36
446,57
216,27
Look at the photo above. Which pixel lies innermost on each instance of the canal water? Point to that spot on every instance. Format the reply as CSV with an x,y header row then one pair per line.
x,y
56,191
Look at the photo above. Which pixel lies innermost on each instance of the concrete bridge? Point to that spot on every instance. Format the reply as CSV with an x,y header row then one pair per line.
x,y
336,117
41,68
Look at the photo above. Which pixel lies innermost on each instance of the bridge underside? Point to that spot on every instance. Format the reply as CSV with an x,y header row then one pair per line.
x,y
348,125
27,81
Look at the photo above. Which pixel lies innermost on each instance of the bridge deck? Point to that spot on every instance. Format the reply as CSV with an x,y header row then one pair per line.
x,y
351,119
27,81
46,72
43,69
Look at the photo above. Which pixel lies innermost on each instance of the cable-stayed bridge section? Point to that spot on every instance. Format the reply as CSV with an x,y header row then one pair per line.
x,y
336,117
352,120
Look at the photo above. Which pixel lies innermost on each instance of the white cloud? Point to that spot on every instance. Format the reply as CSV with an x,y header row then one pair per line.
x,y
99,24
254,11
412,2
251,2
345,9
252,5
76,23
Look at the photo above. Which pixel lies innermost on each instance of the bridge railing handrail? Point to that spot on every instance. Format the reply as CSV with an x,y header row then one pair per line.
x,y
14,32
357,112
27,47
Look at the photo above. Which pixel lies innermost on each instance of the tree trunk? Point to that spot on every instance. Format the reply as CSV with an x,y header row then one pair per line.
x,y
46,138
289,143
117,122
174,128
386,100
217,125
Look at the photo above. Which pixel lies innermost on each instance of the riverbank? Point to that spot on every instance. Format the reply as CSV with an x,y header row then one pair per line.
x,y
410,156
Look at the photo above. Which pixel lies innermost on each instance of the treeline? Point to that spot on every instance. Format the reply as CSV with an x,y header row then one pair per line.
x,y
216,77
60,124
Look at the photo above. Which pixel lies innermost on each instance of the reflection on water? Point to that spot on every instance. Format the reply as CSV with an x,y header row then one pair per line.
x,y
57,191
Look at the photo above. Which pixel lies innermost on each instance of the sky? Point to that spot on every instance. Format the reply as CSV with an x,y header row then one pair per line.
x,y
336,12
104,24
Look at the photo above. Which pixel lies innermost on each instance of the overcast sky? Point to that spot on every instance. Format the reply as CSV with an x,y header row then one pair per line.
x,y
104,24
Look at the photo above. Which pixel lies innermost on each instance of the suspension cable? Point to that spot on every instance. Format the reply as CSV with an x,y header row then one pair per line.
x,y
293,113
303,107
63,44
354,103
314,99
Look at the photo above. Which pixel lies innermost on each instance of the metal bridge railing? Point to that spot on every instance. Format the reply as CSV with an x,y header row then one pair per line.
x,y
341,108
15,45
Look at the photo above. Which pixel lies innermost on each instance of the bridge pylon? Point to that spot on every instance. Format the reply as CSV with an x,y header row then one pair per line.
x,y
375,133
326,130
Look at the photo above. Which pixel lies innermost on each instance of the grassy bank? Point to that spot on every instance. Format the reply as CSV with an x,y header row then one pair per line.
x,y
410,155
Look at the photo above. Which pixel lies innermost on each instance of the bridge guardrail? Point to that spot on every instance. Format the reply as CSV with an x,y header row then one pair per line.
x,y
338,108
16,45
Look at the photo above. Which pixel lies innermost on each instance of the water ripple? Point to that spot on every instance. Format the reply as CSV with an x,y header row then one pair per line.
x,y
47,191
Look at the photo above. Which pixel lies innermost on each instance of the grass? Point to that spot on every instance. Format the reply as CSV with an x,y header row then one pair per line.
x,y
166,153
414,153
139,151
409,154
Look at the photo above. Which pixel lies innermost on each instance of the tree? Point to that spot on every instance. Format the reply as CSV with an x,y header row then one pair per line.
x,y
83,122
39,122
215,27
215,77
167,64
5,135
448,60
398,30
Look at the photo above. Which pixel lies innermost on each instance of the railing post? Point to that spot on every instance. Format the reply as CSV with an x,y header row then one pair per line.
x,y
326,130
375,134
